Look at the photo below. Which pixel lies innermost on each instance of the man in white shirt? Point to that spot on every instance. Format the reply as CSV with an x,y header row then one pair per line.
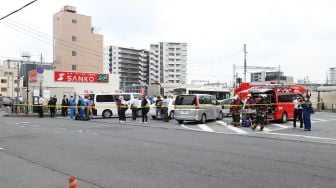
x,y
40,106
166,102
135,104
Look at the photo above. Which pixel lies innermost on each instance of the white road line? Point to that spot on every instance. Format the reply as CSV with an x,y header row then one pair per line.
x,y
80,131
303,136
280,125
267,129
35,125
22,126
24,122
237,130
17,123
1,148
204,127
319,119
182,125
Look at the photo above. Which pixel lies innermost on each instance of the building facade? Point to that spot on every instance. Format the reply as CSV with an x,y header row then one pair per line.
x,y
9,82
271,76
77,46
132,66
332,71
168,63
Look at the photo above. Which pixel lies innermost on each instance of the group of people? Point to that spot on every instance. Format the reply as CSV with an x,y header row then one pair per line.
x,y
255,119
302,111
261,108
78,106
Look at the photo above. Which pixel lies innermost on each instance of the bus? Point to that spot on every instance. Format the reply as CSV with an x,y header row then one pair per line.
x,y
279,96
219,93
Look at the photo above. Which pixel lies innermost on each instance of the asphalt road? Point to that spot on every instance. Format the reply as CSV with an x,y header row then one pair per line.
x,y
45,152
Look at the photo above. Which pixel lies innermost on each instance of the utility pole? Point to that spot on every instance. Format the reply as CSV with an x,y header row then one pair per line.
x,y
245,66
41,86
17,87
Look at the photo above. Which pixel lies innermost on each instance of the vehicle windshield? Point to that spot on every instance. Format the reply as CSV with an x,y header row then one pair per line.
x,y
185,100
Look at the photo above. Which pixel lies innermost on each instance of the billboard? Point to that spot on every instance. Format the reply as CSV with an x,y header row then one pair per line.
x,y
61,76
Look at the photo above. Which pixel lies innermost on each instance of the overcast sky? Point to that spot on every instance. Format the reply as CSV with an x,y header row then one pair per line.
x,y
297,35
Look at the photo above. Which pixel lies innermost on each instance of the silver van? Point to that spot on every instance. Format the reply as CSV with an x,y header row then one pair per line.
x,y
197,107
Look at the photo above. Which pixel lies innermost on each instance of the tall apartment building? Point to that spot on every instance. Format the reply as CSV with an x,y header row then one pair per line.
x,y
332,72
168,63
77,47
132,66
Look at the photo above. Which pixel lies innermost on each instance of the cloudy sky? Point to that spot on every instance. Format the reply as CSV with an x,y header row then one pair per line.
x,y
297,35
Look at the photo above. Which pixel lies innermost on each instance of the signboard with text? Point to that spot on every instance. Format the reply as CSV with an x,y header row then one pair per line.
x,y
60,76
32,76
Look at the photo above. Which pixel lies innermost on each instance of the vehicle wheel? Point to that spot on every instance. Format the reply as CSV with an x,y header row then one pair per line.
x,y
203,119
171,115
180,121
154,117
107,114
220,116
284,117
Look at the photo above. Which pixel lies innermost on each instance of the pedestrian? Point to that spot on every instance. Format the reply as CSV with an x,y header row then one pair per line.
x,y
307,110
158,105
235,109
40,107
90,106
50,106
261,113
80,106
135,104
297,111
123,108
65,105
86,106
72,104
165,106
144,109
322,104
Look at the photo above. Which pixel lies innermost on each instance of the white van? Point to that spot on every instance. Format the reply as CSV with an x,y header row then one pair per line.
x,y
105,104
197,107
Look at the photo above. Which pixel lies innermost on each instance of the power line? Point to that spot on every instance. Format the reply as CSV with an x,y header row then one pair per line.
x,y
15,11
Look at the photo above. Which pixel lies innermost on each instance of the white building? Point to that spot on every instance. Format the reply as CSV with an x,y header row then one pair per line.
x,y
332,75
168,63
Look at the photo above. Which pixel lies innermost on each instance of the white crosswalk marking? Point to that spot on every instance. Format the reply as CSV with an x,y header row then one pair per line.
x,y
267,129
319,119
235,129
280,125
204,127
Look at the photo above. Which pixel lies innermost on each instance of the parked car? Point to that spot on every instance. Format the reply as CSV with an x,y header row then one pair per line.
x,y
226,104
197,107
170,110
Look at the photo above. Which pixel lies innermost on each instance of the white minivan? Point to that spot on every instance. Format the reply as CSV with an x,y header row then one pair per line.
x,y
197,107
105,103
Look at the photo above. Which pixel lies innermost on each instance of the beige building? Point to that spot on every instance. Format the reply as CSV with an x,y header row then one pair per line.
x,y
76,45
8,82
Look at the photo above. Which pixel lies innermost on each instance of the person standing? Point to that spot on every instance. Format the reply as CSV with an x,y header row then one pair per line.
x,y
80,105
135,104
166,102
40,107
52,102
297,111
72,103
65,104
307,110
261,113
235,108
123,108
90,106
144,109
158,105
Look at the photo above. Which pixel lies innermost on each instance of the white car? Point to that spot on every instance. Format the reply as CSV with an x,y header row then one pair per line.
x,y
152,110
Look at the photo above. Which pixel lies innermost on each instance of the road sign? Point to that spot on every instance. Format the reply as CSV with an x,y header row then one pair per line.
x,y
40,70
40,77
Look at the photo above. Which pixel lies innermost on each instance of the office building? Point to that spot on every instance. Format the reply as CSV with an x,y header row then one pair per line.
x,y
271,77
77,46
132,66
168,63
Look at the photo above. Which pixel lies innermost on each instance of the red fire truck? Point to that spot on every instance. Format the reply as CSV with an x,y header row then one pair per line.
x,y
279,96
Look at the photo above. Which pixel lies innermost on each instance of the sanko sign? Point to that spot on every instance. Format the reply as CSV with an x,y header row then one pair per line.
x,y
80,77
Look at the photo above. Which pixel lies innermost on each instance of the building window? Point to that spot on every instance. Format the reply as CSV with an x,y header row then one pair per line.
x,y
74,53
3,89
74,21
74,38
3,81
74,67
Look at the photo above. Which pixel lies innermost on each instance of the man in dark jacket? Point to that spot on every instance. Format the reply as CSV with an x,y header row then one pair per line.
x,y
65,104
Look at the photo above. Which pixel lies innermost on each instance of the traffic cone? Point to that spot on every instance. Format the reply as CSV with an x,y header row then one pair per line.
x,y
72,182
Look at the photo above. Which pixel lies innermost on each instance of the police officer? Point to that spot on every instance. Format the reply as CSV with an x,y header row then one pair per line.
x,y
307,110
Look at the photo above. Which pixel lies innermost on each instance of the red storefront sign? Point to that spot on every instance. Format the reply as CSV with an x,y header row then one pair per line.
x,y
32,76
79,77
